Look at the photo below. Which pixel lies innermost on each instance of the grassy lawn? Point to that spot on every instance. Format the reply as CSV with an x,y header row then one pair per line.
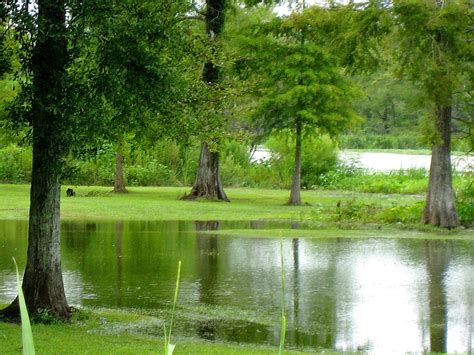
x,y
323,209
162,203
109,331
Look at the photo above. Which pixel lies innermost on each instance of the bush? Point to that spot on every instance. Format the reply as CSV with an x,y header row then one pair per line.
x,y
465,202
360,212
319,156
235,164
152,174
349,177
15,164
99,170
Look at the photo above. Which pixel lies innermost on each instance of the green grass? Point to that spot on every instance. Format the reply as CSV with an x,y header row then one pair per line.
x,y
162,203
109,331
357,210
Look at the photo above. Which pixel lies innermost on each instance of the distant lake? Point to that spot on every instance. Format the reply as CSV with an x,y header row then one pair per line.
x,y
372,295
393,161
385,162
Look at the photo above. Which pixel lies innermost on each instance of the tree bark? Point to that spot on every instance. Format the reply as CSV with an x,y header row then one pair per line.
x,y
119,184
295,195
440,209
207,184
42,282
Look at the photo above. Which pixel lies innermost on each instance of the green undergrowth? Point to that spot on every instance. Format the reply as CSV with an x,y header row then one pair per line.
x,y
112,331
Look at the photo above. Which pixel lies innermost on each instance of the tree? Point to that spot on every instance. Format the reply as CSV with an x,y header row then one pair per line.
x,y
42,282
208,182
4,55
135,51
435,48
300,85
431,43
79,76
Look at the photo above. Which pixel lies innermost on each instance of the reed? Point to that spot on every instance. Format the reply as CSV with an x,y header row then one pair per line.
x,y
26,333
169,348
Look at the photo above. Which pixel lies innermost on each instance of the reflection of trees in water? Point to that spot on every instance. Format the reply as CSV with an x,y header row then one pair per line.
x,y
118,257
207,264
438,254
314,298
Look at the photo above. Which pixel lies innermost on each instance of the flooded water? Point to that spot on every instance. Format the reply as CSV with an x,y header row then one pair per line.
x,y
378,295
383,162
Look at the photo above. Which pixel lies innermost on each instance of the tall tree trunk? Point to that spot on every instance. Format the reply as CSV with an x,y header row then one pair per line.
x,y
119,184
207,184
440,209
42,282
295,195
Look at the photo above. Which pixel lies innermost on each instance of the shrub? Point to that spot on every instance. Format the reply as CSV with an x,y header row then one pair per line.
x,y
361,212
319,156
151,174
465,202
15,164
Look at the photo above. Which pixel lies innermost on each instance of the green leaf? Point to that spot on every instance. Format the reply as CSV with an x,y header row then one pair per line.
x,y
27,334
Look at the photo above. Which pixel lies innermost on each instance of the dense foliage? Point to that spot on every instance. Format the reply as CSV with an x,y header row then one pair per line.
x,y
134,85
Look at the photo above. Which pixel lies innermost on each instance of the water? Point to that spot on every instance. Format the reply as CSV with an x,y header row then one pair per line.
x,y
377,295
384,162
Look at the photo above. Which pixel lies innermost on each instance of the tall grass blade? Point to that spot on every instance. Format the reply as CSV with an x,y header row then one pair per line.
x,y
26,333
283,317
169,348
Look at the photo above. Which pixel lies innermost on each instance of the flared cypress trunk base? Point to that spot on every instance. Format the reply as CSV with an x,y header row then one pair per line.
x,y
440,207
43,285
208,182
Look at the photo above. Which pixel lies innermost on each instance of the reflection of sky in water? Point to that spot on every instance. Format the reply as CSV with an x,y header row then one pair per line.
x,y
377,295
384,305
460,286
381,295
76,290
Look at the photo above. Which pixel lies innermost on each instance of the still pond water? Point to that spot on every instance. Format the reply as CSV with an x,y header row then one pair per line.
x,y
377,295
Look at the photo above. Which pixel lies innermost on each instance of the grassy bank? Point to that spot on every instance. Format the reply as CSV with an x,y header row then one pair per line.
x,y
110,331
163,203
322,207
